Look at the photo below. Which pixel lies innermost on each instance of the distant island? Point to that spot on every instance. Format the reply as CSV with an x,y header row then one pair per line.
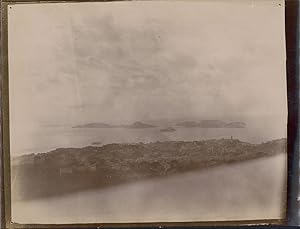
x,y
68,170
189,124
135,125
96,143
212,124
139,125
235,125
168,129
94,125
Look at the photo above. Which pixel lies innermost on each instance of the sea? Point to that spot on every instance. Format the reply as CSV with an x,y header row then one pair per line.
x,y
47,138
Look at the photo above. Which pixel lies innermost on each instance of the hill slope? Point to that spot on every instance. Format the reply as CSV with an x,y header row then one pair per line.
x,y
71,169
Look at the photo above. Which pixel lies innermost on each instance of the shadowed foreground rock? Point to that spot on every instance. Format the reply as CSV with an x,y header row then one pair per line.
x,y
68,170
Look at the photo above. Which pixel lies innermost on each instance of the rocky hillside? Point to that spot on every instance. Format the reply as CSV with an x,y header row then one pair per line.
x,y
68,170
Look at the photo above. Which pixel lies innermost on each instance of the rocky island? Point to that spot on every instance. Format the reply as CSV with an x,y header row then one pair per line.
x,y
96,143
94,125
188,124
139,125
135,125
168,129
67,170
212,124
235,125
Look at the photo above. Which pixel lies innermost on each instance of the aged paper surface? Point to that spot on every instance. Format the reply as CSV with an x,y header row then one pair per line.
x,y
147,111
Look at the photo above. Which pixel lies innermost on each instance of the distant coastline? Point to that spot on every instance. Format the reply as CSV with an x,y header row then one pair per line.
x,y
212,124
135,125
187,124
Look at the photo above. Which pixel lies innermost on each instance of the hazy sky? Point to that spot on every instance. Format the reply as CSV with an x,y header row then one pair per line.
x,y
127,61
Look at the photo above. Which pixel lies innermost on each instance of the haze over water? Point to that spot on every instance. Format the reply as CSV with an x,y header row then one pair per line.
x,y
52,137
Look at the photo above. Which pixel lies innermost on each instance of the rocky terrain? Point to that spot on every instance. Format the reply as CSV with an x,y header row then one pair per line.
x,y
67,170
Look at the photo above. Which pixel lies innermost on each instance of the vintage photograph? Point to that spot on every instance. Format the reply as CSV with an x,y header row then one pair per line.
x,y
147,111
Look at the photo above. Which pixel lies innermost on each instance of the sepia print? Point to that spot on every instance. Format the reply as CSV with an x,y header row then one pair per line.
x,y
147,111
